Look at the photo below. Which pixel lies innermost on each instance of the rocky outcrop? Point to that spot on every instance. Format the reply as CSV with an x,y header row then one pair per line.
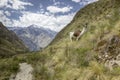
x,y
24,74
109,51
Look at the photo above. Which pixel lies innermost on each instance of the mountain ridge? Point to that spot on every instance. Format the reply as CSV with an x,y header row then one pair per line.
x,y
10,44
79,60
88,17
95,56
34,37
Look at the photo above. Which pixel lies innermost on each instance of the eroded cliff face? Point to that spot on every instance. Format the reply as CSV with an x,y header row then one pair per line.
x,y
109,51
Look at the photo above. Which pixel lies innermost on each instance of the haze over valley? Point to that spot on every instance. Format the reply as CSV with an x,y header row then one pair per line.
x,y
60,40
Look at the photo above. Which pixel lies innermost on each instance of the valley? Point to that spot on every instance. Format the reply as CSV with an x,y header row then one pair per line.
x,y
95,56
34,38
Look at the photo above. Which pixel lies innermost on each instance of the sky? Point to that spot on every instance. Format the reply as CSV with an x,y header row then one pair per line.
x,y
52,14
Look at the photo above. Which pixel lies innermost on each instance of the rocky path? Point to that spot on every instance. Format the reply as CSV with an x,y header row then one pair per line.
x,y
25,72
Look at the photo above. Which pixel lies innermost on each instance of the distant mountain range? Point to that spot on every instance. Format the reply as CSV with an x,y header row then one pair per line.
x,y
34,37
10,44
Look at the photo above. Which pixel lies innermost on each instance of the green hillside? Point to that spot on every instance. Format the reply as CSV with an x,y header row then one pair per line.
x,y
104,13
79,60
89,58
10,44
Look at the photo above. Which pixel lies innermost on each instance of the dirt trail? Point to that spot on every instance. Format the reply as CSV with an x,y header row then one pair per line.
x,y
25,72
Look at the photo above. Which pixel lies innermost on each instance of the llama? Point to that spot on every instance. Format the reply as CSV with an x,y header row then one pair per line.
x,y
77,34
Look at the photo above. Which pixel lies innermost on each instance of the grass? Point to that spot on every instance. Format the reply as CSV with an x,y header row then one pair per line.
x,y
77,60
8,67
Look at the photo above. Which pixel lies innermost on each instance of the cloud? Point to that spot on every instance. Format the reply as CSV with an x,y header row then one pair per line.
x,y
42,18
52,22
6,21
56,9
14,4
84,2
7,13
41,6
57,3
3,3
76,1
91,1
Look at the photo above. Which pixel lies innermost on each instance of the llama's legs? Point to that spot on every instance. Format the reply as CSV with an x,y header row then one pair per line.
x,y
71,39
71,35
77,38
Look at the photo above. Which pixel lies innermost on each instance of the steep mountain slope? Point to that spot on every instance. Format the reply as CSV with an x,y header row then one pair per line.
x,y
98,15
33,37
10,44
95,56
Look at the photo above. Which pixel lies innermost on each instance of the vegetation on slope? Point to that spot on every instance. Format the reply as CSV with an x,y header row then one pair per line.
x,y
10,44
79,60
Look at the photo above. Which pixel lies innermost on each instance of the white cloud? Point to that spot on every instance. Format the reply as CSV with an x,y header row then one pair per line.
x,y
57,3
84,2
17,4
7,13
76,1
55,9
6,21
91,1
43,20
3,3
41,6
14,4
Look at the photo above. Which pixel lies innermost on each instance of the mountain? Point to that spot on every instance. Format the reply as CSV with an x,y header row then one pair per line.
x,y
33,37
95,56
10,44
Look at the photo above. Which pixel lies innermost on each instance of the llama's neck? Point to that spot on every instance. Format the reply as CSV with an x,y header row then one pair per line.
x,y
83,31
